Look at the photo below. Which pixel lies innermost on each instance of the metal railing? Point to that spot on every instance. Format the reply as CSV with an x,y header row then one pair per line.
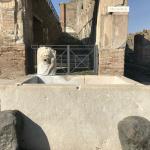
x,y
74,59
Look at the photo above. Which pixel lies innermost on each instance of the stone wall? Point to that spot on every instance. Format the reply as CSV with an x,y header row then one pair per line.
x,y
41,24
26,22
72,118
68,16
130,43
138,45
12,48
112,61
7,22
137,56
77,16
112,29
41,27
85,19
142,48
12,61
94,25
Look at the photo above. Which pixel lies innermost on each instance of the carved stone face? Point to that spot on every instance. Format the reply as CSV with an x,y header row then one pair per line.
x,y
46,61
46,58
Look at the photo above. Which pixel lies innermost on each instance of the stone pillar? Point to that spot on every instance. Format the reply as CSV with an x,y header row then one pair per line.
x,y
63,16
112,29
12,48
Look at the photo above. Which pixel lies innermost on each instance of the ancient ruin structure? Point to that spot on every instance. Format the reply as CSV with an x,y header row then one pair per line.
x,y
71,112
21,25
93,24
139,44
142,47
46,61
137,60
88,21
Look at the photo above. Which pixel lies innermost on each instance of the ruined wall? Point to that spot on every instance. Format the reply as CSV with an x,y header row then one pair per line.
x,y
111,38
142,48
39,16
138,45
130,42
93,24
10,30
12,61
41,27
25,22
77,16
111,61
12,48
68,16
85,19
137,58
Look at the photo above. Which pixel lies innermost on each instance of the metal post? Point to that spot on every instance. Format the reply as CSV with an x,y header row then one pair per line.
x,y
96,59
68,59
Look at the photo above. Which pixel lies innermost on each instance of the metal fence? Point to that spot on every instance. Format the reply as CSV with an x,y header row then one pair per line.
x,y
74,59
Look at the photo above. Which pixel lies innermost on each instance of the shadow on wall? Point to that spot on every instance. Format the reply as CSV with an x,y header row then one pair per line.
x,y
68,39
72,38
94,23
137,60
34,137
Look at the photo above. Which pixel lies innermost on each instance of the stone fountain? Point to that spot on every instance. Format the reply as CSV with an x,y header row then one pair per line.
x,y
46,61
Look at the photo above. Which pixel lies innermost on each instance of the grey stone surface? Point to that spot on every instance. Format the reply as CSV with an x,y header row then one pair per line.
x,y
134,133
74,117
11,125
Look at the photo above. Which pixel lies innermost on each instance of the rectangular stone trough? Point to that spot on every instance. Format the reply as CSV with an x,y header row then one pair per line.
x,y
75,112
79,80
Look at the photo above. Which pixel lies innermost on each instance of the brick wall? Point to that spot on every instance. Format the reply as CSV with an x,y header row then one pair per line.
x,y
111,38
12,55
78,17
68,16
18,32
12,61
111,32
112,61
7,22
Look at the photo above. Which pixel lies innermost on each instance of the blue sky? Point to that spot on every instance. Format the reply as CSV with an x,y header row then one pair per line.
x,y
139,17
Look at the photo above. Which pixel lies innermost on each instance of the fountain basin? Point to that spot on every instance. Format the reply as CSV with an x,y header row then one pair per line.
x,y
78,80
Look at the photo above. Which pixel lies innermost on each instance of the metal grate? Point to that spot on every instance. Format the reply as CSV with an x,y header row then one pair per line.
x,y
74,59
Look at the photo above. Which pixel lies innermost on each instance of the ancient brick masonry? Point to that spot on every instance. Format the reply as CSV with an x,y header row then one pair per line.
x,y
112,61
12,61
111,38
77,16
21,25
94,25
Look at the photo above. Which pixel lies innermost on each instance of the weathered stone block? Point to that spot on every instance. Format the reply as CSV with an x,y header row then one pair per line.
x,y
134,133
11,125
